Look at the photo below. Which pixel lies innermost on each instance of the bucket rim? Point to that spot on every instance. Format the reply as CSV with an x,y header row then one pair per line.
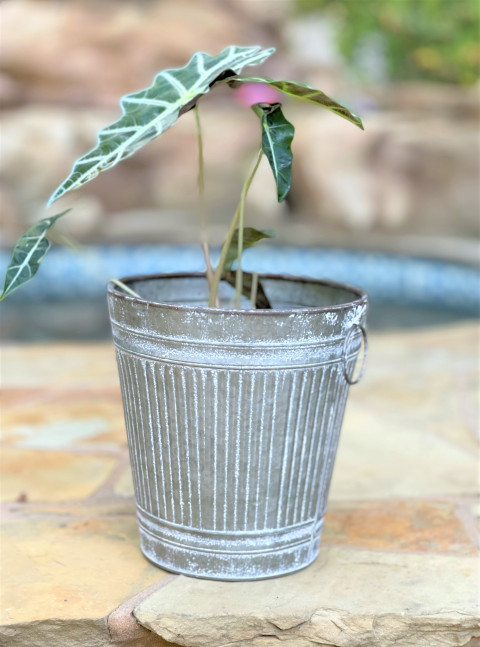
x,y
360,300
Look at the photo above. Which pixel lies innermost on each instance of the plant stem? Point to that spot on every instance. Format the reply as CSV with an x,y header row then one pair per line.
x,y
125,288
62,239
239,273
208,265
201,196
233,225
253,290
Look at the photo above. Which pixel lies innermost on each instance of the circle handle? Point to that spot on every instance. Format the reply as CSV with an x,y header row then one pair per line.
x,y
346,342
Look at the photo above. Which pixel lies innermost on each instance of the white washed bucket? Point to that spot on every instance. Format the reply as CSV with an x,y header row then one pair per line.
x,y
233,419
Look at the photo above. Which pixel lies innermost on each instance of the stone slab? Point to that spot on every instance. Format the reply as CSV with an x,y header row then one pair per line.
x,y
428,382
57,632
61,365
411,427
347,597
52,476
398,561
435,527
383,459
68,567
55,417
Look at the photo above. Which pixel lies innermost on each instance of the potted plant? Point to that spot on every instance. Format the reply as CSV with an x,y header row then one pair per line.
x,y
234,385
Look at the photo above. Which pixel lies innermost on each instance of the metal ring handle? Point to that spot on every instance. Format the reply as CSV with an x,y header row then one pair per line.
x,y
346,342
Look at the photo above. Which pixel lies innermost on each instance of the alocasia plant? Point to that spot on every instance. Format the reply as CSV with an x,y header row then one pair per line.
x,y
146,115
28,254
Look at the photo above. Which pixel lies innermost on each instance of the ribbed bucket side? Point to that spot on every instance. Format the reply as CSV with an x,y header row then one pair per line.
x,y
232,464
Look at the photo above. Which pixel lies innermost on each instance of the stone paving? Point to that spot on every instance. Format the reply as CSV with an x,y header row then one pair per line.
x,y
398,565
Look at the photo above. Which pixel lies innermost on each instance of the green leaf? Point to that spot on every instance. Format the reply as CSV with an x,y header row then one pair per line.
x,y
28,254
149,112
261,301
303,91
277,136
250,237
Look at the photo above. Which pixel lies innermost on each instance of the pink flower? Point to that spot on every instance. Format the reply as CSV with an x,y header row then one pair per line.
x,y
248,94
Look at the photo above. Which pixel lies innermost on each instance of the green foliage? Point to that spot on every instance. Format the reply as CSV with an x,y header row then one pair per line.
x,y
28,253
305,92
277,136
244,280
434,40
251,236
261,299
148,113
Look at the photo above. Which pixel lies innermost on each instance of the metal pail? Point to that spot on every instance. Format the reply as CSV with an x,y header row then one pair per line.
x,y
233,418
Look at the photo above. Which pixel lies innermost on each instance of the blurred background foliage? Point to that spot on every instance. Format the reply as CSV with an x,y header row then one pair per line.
x,y
432,40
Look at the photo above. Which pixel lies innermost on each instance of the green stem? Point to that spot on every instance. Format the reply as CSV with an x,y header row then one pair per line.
x,y
254,290
201,196
239,273
201,169
125,288
233,225
62,239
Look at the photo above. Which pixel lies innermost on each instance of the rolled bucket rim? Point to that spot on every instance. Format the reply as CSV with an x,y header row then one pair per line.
x,y
362,297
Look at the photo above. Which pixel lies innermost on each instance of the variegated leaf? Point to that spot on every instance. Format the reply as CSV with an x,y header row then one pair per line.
x,y
251,236
149,112
277,136
261,300
28,254
303,91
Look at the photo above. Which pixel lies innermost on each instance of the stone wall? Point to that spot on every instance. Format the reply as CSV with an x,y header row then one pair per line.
x,y
65,64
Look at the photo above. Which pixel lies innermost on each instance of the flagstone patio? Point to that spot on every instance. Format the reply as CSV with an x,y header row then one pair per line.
x,y
399,559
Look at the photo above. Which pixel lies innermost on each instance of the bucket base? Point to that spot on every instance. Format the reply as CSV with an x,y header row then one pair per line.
x,y
219,555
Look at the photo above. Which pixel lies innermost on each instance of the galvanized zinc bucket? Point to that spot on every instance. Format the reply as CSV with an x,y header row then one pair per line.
x,y
233,418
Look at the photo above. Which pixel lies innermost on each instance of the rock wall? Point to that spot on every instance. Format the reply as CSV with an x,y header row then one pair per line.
x,y
64,65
